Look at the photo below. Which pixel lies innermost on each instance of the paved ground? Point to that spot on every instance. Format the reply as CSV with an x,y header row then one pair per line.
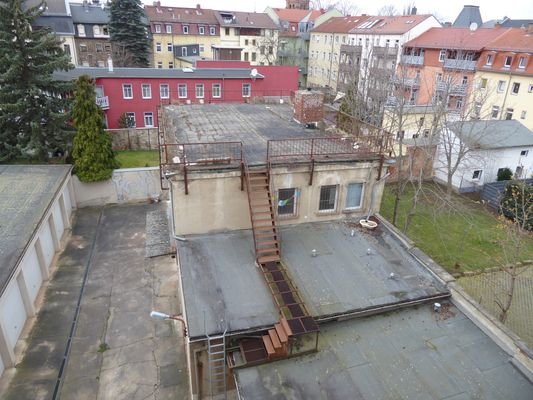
x,y
490,287
117,351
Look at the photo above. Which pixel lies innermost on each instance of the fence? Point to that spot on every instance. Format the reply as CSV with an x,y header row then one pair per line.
x,y
492,193
134,139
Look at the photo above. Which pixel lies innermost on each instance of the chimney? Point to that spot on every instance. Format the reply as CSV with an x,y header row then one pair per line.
x,y
109,64
413,10
198,7
308,107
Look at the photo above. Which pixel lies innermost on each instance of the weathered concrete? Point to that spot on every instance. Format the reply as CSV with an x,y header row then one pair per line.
x,y
117,351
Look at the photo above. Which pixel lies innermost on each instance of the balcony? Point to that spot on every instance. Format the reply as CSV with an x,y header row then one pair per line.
x,y
412,60
102,102
406,82
351,49
462,65
389,52
451,89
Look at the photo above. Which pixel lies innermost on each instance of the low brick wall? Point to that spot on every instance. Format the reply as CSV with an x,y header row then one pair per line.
x,y
134,139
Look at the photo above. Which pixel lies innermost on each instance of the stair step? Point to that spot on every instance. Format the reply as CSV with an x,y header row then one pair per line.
x,y
265,235
274,338
263,220
268,345
258,194
270,250
267,243
259,213
286,326
258,178
283,338
265,259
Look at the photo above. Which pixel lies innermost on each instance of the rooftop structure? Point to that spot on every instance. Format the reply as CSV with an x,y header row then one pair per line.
x,y
241,19
469,15
455,38
493,134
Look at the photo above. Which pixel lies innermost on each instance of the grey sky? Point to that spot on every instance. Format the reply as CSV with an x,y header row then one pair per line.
x,y
448,9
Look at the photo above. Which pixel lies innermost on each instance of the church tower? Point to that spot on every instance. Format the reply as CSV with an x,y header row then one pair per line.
x,y
298,4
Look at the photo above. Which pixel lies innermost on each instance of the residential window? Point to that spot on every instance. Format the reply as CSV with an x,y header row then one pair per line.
x,y
465,80
484,82
199,91
182,91
522,62
508,61
516,88
164,91
127,91
107,47
170,65
158,47
201,30
509,113
442,55
216,90
201,47
184,51
254,43
524,153
501,86
477,174
168,28
489,59
185,29
270,49
530,88
157,28
354,195
495,111
246,56
160,64
212,30
83,48
130,119
169,47
146,91
100,64
287,202
518,172
66,49
328,198
523,114
81,30
99,48
226,31
246,42
254,56
246,89
148,119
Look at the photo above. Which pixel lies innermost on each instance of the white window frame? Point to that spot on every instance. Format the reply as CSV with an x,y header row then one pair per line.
x,y
149,115
160,64
510,58
517,86
180,87
293,213
201,30
196,93
164,91
328,210
501,86
158,47
131,115
212,30
442,55
495,109
248,91
126,86
171,65
489,60
523,114
168,28
169,47
522,61
357,207
146,94
81,30
216,90
480,175
185,29
157,28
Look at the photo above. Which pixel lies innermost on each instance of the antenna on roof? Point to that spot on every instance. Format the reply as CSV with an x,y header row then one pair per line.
x,y
473,26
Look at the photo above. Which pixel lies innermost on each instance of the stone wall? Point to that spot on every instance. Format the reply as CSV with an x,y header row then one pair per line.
x,y
134,139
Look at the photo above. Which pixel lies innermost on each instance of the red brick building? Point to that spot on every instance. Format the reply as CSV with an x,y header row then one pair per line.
x,y
137,92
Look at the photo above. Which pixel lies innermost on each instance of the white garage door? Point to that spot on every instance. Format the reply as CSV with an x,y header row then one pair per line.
x,y
58,221
12,313
32,272
47,243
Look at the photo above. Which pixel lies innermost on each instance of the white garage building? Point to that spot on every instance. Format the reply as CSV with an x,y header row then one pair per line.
x,y
36,203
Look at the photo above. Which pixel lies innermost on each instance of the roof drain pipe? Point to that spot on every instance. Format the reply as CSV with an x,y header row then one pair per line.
x,y
167,175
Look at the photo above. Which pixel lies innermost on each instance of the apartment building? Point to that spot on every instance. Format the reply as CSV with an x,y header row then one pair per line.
x,y
245,36
175,29
504,74
295,31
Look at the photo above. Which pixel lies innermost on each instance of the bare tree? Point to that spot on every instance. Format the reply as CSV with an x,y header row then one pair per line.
x,y
345,7
388,10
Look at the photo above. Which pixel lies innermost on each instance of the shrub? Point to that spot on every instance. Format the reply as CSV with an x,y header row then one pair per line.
x,y
504,174
517,204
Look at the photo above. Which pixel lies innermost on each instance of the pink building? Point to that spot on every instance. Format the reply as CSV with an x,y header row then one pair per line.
x,y
137,92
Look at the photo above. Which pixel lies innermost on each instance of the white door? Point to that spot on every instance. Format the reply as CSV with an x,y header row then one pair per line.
x,y
32,273
12,313
47,243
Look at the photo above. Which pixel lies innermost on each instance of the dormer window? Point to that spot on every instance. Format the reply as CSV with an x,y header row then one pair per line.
x,y
81,30
489,59
168,28
508,61
96,30
522,62
185,29
442,55
157,28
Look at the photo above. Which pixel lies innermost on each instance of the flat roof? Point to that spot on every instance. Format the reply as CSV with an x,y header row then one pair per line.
x,y
26,192
219,275
408,354
251,124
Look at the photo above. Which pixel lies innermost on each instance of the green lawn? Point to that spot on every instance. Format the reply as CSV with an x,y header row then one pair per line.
x,y
460,238
138,158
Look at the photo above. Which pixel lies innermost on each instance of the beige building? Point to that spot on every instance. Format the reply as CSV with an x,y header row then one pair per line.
x,y
174,28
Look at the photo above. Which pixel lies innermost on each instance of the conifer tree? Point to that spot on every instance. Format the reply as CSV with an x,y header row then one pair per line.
x,y
94,158
129,33
33,123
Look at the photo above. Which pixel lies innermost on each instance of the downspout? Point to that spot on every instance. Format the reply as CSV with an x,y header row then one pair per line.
x,y
180,238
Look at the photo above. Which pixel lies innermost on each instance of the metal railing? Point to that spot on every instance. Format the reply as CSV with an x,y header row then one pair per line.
x,y
466,65
412,60
451,88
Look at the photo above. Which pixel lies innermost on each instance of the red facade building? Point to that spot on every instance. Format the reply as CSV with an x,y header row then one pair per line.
x,y
137,92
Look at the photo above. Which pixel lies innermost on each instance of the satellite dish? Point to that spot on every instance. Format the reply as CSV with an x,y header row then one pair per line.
x,y
473,26
254,72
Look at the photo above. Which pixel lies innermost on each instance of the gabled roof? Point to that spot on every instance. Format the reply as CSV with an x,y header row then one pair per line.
x,y
467,16
492,134
196,15
340,24
89,14
243,19
512,39
53,7
455,38
297,15
507,22
395,25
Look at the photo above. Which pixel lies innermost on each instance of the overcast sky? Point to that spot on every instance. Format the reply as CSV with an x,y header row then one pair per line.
x,y
446,9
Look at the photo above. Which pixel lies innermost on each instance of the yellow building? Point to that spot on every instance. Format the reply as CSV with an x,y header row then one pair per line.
x,y
175,29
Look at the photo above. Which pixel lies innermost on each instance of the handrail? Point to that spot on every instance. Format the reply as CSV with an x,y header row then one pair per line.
x,y
248,188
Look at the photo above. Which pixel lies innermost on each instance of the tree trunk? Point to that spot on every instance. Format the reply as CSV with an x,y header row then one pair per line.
x,y
510,294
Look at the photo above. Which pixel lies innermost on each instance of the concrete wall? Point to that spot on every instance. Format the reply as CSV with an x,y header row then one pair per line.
x,y
126,185
134,139
216,203
18,301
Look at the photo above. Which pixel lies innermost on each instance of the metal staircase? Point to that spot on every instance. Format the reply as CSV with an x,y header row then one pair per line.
x,y
216,353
